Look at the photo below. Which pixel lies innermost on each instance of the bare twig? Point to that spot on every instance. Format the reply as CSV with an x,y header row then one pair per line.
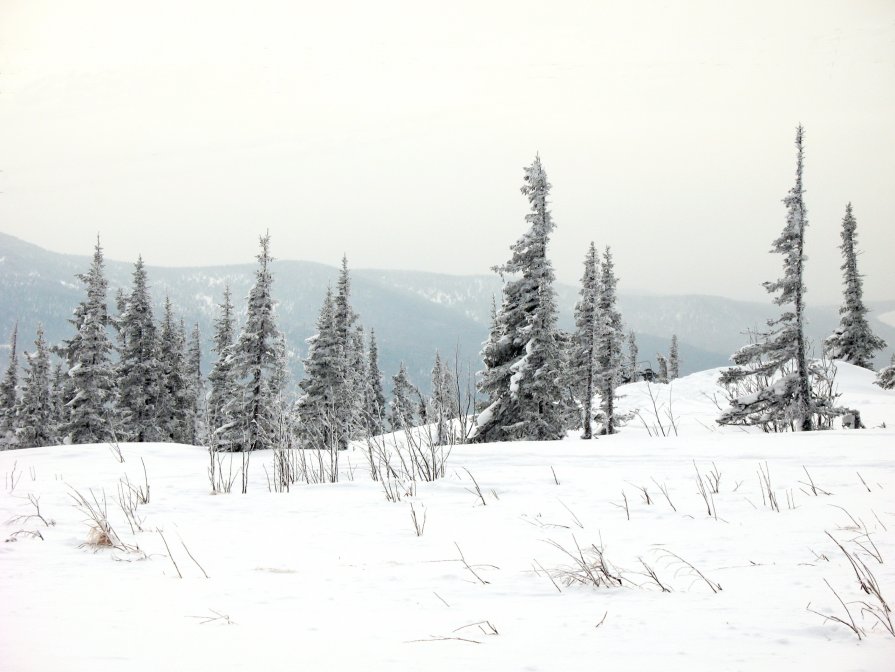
x,y
469,567
170,554
34,500
478,490
572,513
419,523
663,488
555,585
850,624
715,586
863,481
191,557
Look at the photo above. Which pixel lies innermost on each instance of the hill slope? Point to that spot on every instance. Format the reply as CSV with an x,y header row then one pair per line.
x,y
328,575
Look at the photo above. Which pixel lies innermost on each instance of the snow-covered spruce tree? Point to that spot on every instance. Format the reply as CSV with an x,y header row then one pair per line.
x,y
357,383
584,339
521,379
631,363
886,376
9,394
139,369
322,383
441,409
374,399
662,364
349,392
674,360
196,386
609,337
256,352
172,412
225,395
34,416
404,407
490,354
57,393
853,341
90,370
777,358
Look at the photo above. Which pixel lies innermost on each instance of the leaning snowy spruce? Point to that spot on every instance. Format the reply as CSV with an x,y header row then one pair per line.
x,y
771,384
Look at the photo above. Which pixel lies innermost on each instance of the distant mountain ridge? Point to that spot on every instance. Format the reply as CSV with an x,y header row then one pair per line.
x,y
412,312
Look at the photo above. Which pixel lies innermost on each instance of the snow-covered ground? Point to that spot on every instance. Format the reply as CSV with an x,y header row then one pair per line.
x,y
332,577
888,318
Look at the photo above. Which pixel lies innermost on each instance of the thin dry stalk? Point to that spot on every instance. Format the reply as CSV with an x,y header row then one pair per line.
x,y
478,491
863,481
687,566
850,623
571,513
470,567
214,618
623,506
419,522
128,501
34,534
201,568
644,493
24,519
12,478
486,627
706,493
767,492
663,488
170,554
650,573
714,479
537,566
812,486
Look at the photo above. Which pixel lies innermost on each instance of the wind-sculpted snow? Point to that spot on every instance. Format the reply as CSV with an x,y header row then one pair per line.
x,y
333,577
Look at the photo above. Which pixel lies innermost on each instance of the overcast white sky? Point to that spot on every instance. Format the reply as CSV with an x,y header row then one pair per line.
x,y
397,132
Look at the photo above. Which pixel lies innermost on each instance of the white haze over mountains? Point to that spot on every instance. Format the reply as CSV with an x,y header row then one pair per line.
x,y
396,132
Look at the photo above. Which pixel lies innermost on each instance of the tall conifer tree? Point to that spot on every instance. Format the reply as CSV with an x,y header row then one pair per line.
x,y
9,393
777,360
609,345
633,355
322,383
584,339
256,352
403,412
225,394
139,369
674,359
853,341
35,409
90,371
374,404
522,359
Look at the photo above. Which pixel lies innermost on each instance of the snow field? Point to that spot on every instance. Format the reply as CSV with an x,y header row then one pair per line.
x,y
334,577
